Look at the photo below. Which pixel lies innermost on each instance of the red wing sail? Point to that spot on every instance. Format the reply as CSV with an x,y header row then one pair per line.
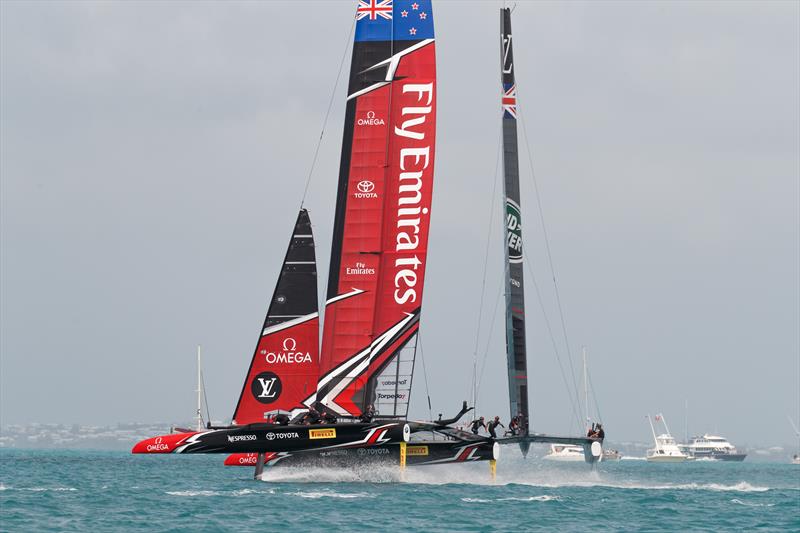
x,y
284,369
383,206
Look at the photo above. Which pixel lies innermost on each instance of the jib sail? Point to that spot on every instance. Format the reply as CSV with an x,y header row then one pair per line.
x,y
383,208
283,372
514,287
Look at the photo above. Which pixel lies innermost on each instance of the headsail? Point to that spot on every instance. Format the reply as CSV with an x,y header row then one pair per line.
x,y
284,369
514,288
383,206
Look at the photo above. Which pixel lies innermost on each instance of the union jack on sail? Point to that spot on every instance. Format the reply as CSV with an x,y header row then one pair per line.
x,y
374,9
510,99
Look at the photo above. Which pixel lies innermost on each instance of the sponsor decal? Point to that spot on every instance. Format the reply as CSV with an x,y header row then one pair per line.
x,y
360,269
398,396
266,387
414,163
513,231
157,446
327,433
372,451
508,64
248,460
365,189
334,453
290,354
371,120
392,383
417,450
240,438
281,436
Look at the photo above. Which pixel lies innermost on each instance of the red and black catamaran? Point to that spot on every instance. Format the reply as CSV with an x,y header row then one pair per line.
x,y
375,286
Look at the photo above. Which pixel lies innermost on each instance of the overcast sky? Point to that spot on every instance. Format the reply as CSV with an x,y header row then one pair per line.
x,y
153,156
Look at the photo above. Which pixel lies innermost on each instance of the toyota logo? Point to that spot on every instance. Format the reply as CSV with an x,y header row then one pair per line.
x,y
270,436
366,186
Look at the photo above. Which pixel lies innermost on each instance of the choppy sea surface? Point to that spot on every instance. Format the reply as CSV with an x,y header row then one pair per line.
x,y
61,490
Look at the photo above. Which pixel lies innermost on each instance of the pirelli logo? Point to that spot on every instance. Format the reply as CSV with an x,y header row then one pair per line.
x,y
328,433
417,450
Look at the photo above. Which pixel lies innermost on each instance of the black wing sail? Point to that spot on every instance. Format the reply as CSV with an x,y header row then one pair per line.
x,y
514,287
285,365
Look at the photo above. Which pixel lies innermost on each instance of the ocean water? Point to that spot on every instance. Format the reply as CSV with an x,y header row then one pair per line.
x,y
61,490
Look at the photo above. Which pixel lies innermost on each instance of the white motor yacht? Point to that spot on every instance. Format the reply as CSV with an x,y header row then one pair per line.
x,y
712,447
666,449
565,452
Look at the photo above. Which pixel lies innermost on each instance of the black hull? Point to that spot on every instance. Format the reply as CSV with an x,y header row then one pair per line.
x,y
733,457
273,438
417,454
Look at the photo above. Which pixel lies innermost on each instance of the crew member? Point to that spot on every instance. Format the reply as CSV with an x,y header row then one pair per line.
x,y
328,417
368,413
492,425
513,427
476,425
312,417
599,432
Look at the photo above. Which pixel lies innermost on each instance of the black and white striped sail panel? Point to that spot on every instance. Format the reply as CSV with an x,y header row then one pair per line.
x,y
380,236
283,372
514,286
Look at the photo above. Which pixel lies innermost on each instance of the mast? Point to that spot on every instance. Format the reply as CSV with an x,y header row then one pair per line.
x,y
514,288
199,393
586,389
382,216
653,429
664,421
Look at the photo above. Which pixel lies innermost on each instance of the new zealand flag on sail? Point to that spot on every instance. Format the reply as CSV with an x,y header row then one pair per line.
x,y
411,20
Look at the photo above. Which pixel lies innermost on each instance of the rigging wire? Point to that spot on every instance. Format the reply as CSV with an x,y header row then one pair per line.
x,y
547,248
425,375
205,397
327,113
594,398
489,338
475,379
552,339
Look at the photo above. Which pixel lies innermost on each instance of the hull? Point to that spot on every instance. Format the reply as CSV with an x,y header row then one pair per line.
x,y
564,458
736,457
667,459
263,438
417,454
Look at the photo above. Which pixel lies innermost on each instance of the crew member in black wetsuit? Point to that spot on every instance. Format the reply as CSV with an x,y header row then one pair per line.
x,y
328,417
513,427
368,413
312,417
599,432
492,425
476,425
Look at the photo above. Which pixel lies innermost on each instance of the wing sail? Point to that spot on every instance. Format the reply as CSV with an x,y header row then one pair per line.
x,y
514,286
380,239
283,371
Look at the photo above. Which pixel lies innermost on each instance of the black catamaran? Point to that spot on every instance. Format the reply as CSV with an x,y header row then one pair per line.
x,y
348,400
514,287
